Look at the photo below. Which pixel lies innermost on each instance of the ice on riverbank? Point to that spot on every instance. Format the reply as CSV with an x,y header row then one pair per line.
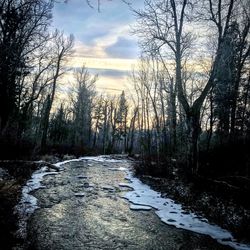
x,y
28,203
106,158
172,213
139,207
60,164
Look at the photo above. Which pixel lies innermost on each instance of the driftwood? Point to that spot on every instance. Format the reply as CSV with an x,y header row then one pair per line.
x,y
47,164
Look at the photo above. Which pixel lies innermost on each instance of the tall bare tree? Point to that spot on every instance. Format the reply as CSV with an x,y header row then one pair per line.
x,y
61,48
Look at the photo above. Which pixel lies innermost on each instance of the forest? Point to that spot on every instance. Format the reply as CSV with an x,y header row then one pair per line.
x,y
187,112
190,102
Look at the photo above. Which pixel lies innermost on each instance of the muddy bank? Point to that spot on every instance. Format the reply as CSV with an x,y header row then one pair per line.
x,y
196,197
12,178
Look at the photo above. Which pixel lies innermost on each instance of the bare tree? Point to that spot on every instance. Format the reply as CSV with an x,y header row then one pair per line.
x,y
61,48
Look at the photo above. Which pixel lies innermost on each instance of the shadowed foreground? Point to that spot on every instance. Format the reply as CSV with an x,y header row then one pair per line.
x,y
81,208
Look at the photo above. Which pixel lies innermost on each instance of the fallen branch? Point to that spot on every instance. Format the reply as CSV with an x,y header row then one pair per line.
x,y
47,164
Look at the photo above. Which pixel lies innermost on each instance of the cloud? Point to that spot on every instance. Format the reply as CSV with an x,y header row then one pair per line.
x,y
82,49
112,73
97,34
109,81
88,24
102,63
123,48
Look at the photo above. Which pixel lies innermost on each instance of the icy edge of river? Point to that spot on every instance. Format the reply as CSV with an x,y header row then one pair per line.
x,y
105,158
172,213
28,203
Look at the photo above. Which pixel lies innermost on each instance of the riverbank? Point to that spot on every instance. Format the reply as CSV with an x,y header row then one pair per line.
x,y
12,179
13,176
203,197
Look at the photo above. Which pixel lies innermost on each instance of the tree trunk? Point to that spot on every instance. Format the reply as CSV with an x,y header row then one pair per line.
x,y
194,130
45,123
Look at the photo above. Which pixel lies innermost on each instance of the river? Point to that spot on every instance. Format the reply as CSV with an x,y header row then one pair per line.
x,y
87,205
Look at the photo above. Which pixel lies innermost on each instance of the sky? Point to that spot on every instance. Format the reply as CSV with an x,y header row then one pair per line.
x,y
103,40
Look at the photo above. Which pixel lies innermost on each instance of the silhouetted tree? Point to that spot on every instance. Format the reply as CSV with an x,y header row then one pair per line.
x,y
83,104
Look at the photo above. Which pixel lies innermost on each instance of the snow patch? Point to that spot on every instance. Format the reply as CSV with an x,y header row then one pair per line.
x,y
118,169
103,158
